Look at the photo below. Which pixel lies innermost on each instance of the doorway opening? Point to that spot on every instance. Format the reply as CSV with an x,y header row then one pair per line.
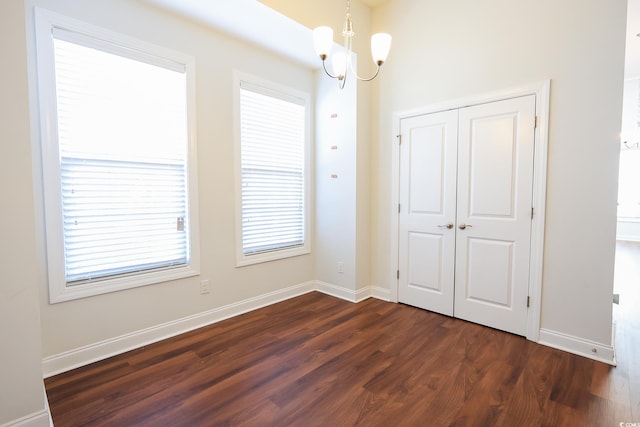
x,y
627,266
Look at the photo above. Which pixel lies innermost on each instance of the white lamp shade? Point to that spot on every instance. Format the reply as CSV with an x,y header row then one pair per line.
x,y
322,41
339,61
380,46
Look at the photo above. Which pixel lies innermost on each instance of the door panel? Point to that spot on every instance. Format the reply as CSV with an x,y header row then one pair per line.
x,y
425,262
427,148
427,199
490,261
495,180
491,166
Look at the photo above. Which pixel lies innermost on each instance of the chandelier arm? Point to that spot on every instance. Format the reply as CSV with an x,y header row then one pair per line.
x,y
341,79
362,79
324,65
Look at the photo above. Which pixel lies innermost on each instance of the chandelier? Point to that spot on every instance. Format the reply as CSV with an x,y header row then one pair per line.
x,y
341,61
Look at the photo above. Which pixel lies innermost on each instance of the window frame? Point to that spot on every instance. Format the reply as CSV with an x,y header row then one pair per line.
x,y
282,92
45,23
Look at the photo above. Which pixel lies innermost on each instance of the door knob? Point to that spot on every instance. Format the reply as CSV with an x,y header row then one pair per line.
x,y
447,226
463,226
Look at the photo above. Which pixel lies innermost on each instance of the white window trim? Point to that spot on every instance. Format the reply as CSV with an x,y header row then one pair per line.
x,y
305,248
45,22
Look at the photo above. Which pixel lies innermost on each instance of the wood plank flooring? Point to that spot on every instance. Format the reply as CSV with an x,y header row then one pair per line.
x,y
319,361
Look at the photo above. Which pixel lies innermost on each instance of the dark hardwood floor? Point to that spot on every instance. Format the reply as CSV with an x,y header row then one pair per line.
x,y
319,361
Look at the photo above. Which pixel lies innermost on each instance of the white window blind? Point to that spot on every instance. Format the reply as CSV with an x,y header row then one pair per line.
x,y
272,128
122,142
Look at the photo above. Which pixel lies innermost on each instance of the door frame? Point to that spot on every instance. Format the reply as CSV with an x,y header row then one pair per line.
x,y
541,90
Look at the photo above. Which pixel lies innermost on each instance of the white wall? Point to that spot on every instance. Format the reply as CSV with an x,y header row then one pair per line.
x,y
336,183
353,231
71,325
21,386
449,50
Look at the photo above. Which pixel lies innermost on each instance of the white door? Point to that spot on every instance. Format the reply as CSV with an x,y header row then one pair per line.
x,y
471,169
428,211
495,182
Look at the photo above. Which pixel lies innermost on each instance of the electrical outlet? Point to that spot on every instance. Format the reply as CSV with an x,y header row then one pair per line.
x,y
204,287
340,267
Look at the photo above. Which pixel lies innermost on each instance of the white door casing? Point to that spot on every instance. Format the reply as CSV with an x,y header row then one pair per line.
x,y
472,168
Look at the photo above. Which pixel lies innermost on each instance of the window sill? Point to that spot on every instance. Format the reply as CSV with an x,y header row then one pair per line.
x,y
64,293
245,260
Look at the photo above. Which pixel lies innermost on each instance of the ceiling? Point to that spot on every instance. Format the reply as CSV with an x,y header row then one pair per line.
x,y
372,3
295,41
252,21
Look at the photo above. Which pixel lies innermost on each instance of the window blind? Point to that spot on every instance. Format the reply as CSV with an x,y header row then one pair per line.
x,y
122,139
272,128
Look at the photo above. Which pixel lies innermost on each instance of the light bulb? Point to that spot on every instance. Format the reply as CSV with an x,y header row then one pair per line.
x,y
322,41
380,46
339,64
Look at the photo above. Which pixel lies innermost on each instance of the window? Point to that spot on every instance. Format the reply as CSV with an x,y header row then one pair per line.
x,y
273,172
117,160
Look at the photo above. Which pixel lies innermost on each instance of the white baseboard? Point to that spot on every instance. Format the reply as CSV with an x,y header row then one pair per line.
x,y
336,291
46,405
37,419
351,295
383,294
62,362
41,418
81,356
579,346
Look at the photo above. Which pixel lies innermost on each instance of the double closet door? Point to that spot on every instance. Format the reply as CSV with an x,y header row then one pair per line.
x,y
466,179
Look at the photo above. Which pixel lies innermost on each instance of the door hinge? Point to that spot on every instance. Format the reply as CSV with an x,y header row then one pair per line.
x,y
397,274
535,122
399,136
531,212
398,207
528,301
